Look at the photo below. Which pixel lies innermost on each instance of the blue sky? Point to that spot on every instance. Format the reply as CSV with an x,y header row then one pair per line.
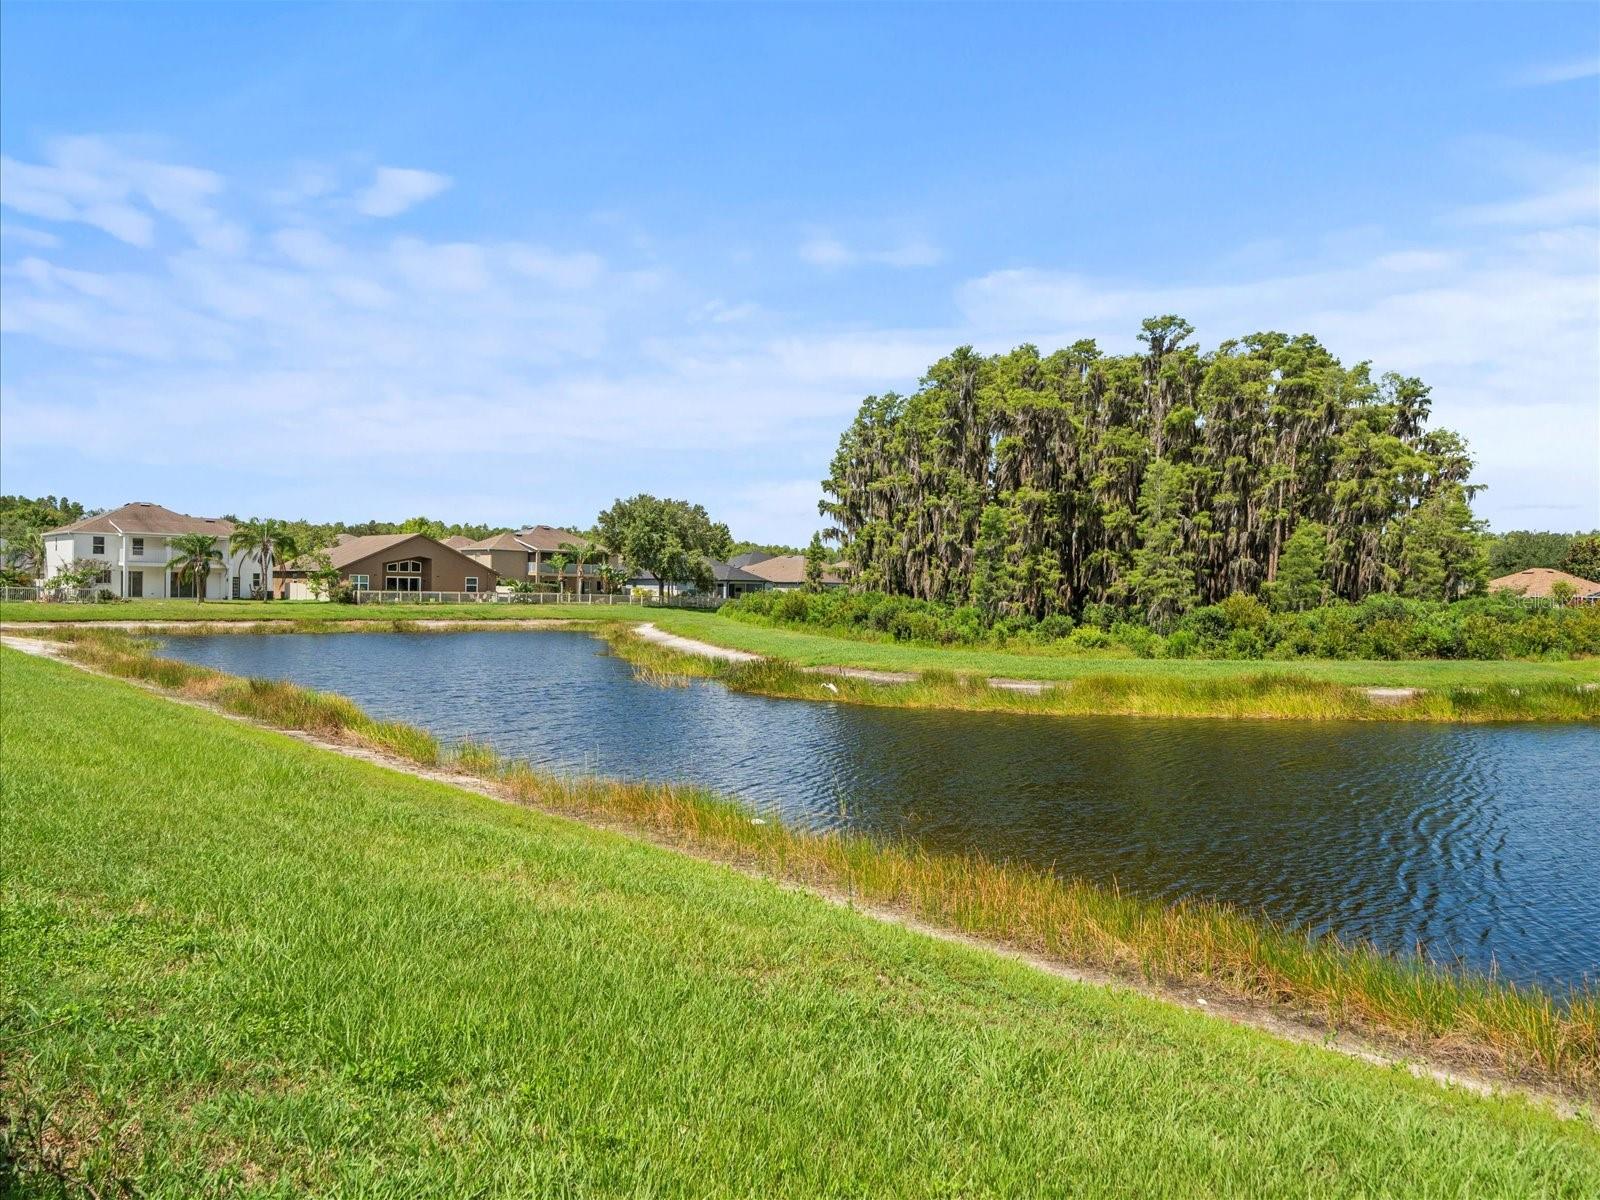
x,y
506,263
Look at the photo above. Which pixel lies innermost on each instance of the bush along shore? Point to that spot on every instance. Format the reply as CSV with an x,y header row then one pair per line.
x,y
1266,694
1446,1015
1386,628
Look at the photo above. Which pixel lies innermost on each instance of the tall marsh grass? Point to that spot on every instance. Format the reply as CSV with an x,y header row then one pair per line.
x,y
1458,1016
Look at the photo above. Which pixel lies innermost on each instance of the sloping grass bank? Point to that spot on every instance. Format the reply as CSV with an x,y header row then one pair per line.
x,y
1266,693
1444,1013
232,963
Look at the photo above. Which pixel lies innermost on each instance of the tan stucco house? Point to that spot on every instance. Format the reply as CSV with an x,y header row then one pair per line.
x,y
526,554
392,562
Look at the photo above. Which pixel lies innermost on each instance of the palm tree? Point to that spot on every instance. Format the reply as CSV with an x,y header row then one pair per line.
x,y
194,554
267,538
579,554
612,577
28,552
559,562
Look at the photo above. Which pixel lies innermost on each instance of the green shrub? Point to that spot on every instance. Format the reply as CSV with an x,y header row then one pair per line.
x,y
1379,627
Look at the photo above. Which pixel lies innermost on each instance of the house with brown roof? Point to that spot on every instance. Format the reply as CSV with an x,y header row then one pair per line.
x,y
787,572
391,562
1539,583
457,541
525,556
134,544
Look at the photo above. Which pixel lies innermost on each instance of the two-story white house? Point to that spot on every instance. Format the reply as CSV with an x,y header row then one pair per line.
x,y
134,544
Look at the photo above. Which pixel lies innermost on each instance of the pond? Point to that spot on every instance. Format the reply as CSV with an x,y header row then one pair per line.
x,y
1477,843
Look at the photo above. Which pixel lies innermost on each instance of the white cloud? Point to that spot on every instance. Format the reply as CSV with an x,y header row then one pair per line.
x,y
92,181
1565,71
395,189
576,271
21,235
826,251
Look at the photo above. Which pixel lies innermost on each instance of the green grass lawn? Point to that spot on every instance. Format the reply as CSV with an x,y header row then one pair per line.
x,y
229,962
811,649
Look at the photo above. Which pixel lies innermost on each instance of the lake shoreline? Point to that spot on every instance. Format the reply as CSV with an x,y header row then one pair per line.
x,y
1266,691
1487,1051
1267,695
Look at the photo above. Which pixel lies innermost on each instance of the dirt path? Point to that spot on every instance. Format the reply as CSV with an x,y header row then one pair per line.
x,y
1215,1004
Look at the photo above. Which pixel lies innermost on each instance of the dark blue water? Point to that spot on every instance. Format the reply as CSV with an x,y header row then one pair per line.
x,y
1477,843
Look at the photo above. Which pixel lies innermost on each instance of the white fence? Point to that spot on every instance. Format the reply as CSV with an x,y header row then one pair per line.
x,y
372,596
89,595
98,595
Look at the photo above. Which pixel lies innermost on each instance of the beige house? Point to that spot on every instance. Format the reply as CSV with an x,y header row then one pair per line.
x,y
392,562
1539,583
526,554
784,572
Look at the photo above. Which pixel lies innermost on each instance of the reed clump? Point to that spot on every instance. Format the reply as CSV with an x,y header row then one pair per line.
x,y
1523,1032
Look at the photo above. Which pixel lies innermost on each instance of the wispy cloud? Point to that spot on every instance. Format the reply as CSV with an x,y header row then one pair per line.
x,y
395,189
825,250
1565,71
92,181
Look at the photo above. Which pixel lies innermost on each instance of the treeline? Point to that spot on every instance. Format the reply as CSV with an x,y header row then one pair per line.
x,y
1576,553
310,536
1378,627
1030,484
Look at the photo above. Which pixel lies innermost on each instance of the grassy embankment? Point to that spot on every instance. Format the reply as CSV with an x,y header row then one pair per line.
x,y
233,962
811,649
1263,694
1429,1009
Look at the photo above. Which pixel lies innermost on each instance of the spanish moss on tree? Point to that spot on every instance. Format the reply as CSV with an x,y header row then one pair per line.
x,y
1029,483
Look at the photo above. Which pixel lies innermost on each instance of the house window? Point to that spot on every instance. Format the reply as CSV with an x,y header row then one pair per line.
x,y
403,576
255,583
97,544
361,583
138,547
235,587
472,583
104,576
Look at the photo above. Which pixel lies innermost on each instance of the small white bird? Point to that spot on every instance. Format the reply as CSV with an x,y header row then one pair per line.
x,y
832,688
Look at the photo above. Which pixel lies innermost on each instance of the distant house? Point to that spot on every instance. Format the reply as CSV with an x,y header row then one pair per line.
x,y
526,554
728,581
787,572
134,543
457,542
392,562
1539,583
